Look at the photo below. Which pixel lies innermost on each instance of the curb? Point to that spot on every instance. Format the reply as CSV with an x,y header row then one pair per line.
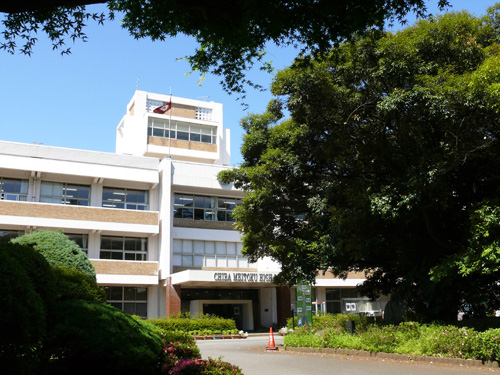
x,y
396,356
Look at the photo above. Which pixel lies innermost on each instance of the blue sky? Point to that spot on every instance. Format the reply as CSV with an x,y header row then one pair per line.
x,y
77,100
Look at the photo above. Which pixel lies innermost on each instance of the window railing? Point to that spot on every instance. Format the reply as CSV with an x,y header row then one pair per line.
x,y
13,197
13,189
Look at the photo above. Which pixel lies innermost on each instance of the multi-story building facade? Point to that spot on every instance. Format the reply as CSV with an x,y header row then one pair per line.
x,y
153,218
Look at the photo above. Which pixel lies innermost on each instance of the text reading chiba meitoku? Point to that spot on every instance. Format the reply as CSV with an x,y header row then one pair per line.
x,y
246,277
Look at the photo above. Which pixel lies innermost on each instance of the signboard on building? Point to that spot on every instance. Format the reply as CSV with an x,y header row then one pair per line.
x,y
304,303
245,277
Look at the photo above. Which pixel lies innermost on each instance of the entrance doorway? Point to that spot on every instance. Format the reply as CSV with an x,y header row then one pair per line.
x,y
227,311
239,310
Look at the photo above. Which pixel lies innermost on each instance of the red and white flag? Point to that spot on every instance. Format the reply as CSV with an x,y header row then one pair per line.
x,y
164,108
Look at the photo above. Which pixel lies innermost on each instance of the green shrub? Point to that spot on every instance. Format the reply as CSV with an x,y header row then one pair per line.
x,y
91,337
57,249
488,345
406,338
37,268
304,339
193,325
336,322
218,367
73,284
448,341
22,312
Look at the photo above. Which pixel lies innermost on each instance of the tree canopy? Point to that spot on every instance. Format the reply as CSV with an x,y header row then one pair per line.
x,y
388,164
231,34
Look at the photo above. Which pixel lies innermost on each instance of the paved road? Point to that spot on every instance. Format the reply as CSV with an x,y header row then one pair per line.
x,y
251,356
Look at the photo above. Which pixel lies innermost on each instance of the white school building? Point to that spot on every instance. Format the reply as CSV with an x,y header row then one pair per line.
x,y
155,221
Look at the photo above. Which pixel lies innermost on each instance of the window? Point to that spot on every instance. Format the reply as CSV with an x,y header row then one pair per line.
x,y
7,235
204,114
124,248
81,240
199,207
13,189
218,254
131,300
125,198
334,299
64,193
182,130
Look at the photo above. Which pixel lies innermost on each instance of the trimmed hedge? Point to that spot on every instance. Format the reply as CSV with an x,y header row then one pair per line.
x,y
336,322
193,325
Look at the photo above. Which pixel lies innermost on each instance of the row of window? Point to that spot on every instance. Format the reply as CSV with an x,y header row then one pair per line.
x,y
182,130
73,194
131,300
186,253
191,207
199,207
219,254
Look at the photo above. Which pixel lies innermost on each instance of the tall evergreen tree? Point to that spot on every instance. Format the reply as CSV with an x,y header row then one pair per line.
x,y
389,163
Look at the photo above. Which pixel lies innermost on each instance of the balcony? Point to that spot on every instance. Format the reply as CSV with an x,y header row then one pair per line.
x,y
78,217
124,272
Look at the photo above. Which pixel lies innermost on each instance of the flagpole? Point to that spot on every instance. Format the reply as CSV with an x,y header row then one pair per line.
x,y
169,124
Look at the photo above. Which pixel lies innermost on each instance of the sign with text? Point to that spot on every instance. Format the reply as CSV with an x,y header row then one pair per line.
x,y
244,277
304,303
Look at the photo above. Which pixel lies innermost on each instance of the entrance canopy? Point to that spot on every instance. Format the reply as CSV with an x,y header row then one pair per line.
x,y
226,279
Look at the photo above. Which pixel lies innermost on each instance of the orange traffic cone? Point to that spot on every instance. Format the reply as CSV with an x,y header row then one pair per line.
x,y
271,345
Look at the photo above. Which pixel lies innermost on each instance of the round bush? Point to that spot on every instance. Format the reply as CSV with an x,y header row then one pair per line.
x,y
91,337
58,250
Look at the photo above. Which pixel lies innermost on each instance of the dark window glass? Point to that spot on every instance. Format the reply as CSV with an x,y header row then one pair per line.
x,y
141,309
141,294
183,136
178,213
199,202
332,294
199,214
187,213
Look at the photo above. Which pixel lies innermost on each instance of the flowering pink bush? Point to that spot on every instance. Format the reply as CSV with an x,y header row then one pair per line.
x,y
185,359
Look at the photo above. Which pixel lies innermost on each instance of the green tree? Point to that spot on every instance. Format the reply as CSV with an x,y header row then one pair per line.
x,y
58,250
391,150
231,34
